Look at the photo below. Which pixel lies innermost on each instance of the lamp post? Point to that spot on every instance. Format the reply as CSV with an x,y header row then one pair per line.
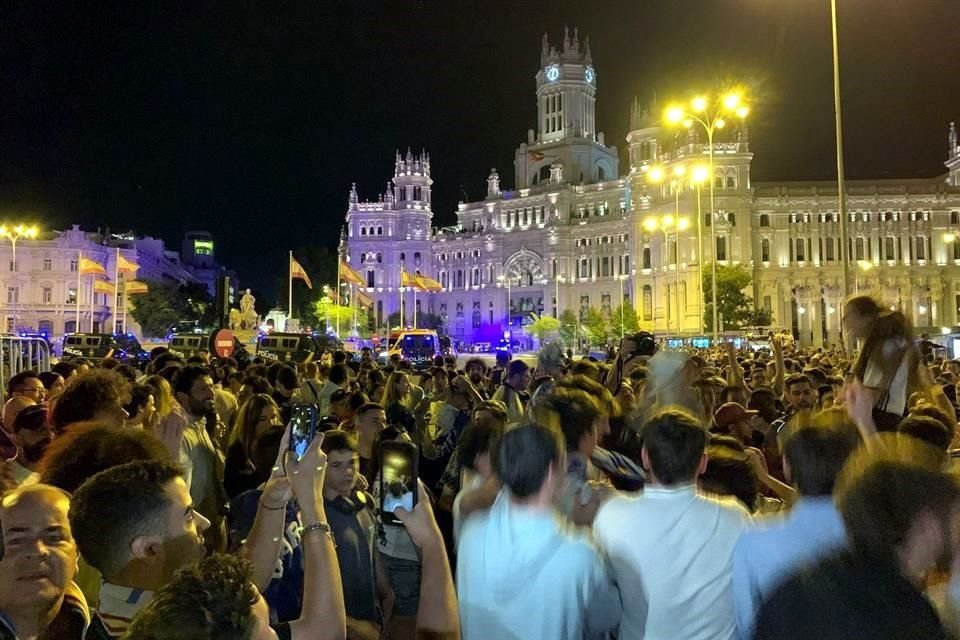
x,y
13,234
699,174
506,279
711,118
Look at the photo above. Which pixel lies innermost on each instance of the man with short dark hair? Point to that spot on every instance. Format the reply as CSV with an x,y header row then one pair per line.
x,y
476,371
286,385
509,393
134,523
27,383
201,459
32,435
520,574
98,395
369,420
768,554
38,561
900,517
337,379
354,527
680,528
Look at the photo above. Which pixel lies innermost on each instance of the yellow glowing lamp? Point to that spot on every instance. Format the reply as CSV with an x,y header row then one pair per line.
x,y
674,114
688,123
655,174
650,224
743,111
731,100
699,104
720,123
949,237
684,224
700,174
679,170
667,221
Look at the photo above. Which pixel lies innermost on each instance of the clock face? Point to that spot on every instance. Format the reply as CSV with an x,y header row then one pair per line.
x,y
589,75
552,73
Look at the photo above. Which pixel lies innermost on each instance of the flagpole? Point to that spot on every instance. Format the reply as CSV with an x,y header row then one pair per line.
x,y
414,307
400,289
353,303
336,293
93,298
290,285
116,290
76,326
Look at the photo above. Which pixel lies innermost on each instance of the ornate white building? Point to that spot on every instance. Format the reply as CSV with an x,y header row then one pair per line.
x,y
574,231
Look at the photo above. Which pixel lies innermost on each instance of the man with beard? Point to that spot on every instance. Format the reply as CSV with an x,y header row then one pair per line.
x,y
202,461
38,560
136,524
476,372
32,435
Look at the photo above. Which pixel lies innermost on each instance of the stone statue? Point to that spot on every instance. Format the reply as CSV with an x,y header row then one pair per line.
x,y
248,313
236,320
247,302
250,319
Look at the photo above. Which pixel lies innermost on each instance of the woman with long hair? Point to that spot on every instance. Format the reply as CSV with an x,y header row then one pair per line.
x,y
396,401
888,362
162,395
258,415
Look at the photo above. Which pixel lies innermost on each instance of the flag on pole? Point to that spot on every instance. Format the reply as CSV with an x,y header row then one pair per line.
x,y
349,275
90,268
363,299
407,280
126,266
428,284
297,271
135,287
102,286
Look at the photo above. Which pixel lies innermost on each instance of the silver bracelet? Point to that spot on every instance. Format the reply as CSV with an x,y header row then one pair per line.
x,y
319,526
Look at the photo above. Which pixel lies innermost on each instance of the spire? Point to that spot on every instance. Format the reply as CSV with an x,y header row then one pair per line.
x,y
566,39
952,141
388,195
493,183
576,41
544,49
587,57
353,196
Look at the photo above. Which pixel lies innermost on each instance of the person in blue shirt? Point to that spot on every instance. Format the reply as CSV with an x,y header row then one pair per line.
x,y
766,555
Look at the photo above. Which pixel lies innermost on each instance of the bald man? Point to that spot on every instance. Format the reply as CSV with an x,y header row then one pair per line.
x,y
38,561
13,406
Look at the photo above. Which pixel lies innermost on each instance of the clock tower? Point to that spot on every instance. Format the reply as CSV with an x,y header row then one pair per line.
x,y
566,121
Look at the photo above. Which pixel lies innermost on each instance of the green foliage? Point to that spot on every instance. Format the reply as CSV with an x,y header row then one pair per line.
x,y
596,327
735,306
165,304
761,318
542,327
569,327
330,316
631,323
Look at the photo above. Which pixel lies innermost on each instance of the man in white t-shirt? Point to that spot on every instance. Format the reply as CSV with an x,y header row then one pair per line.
x,y
671,547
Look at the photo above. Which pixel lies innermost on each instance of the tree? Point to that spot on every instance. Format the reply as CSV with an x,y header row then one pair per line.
x,y
761,318
596,327
321,266
569,327
631,324
331,315
542,328
166,303
735,306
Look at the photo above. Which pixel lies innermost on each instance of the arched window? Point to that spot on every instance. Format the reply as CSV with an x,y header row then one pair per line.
x,y
764,220
646,258
859,249
403,257
379,257
601,174
718,182
476,318
379,231
732,219
647,302
363,231
544,172
731,182
765,250
955,217
416,258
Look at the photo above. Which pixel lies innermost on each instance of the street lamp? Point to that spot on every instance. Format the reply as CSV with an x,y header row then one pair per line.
x,y
699,174
13,234
506,279
862,265
665,224
710,117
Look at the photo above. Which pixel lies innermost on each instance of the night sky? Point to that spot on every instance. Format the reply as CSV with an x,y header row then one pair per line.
x,y
252,119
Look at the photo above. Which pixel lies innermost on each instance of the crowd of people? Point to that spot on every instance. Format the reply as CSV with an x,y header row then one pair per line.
x,y
714,494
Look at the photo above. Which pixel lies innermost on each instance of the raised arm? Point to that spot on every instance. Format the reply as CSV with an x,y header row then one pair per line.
x,y
437,616
779,372
735,372
323,616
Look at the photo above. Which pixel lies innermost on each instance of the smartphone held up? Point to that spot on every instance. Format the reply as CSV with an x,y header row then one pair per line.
x,y
398,479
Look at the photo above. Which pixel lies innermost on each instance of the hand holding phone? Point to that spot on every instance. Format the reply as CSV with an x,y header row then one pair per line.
x,y
303,427
398,479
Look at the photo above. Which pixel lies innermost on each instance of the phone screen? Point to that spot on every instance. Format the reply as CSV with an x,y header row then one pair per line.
x,y
398,479
303,427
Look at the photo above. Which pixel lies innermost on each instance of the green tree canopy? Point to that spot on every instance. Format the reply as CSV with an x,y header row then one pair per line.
x,y
735,306
631,323
166,303
569,327
542,328
596,327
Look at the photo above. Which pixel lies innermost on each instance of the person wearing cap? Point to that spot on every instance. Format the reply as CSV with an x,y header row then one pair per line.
x,y
32,435
733,419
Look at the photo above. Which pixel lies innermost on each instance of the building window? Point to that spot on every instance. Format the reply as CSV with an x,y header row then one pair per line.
x,y
605,266
707,219
859,249
73,265
71,296
731,182
721,247
13,295
46,295
799,250
363,231
955,217
416,259
765,250
764,220
921,252
476,318
647,302
371,278
379,231
732,219
47,264
830,250
956,250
